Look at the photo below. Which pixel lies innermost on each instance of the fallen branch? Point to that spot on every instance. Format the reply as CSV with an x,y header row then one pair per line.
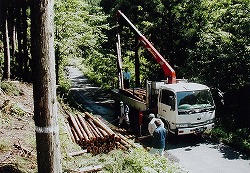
x,y
24,150
90,169
78,153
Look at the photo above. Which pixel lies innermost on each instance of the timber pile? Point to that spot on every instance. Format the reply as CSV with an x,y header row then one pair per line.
x,y
138,93
92,134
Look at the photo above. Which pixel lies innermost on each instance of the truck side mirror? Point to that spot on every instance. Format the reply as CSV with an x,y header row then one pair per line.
x,y
172,103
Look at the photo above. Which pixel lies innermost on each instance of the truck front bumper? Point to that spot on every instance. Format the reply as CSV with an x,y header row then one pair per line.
x,y
194,130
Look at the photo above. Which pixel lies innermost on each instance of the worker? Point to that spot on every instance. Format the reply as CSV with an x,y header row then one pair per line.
x,y
151,124
124,115
159,139
126,78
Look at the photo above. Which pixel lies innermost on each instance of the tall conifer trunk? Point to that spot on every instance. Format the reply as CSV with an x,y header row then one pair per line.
x,y
44,85
6,74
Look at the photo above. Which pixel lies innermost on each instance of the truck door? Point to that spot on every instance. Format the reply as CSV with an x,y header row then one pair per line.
x,y
166,104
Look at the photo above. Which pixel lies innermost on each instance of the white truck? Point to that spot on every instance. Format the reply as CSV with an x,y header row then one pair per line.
x,y
184,107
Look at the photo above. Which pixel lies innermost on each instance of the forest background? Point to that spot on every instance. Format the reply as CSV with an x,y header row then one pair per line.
x,y
204,41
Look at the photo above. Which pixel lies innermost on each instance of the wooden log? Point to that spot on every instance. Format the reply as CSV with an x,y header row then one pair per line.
x,y
104,133
90,169
76,127
132,94
120,146
85,127
117,138
78,153
100,124
96,129
125,139
95,134
24,150
77,139
86,137
89,149
70,132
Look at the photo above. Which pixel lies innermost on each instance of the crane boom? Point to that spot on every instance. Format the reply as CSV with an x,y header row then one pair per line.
x,y
168,70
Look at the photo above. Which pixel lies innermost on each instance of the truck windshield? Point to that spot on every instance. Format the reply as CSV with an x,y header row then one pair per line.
x,y
190,100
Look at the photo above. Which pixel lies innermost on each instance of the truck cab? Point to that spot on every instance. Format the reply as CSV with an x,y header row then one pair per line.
x,y
186,107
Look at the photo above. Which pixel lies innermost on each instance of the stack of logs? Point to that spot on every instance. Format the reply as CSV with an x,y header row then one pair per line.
x,y
92,134
138,93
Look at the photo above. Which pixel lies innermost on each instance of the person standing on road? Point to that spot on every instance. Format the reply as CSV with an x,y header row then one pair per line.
x,y
151,124
124,115
126,77
159,139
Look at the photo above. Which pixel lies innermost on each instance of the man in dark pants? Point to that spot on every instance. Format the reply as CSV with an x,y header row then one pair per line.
x,y
126,77
159,139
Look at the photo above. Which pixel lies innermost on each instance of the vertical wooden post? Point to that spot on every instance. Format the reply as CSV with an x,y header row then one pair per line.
x,y
44,86
137,64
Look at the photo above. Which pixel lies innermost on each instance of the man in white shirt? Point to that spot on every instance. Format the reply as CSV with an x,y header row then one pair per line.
x,y
124,115
152,125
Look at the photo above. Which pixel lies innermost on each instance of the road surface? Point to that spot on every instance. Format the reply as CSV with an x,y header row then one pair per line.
x,y
194,154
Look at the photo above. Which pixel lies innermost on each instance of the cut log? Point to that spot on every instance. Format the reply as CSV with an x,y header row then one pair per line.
x,y
77,139
100,124
24,150
85,127
90,169
125,139
95,134
76,127
78,153
70,132
94,126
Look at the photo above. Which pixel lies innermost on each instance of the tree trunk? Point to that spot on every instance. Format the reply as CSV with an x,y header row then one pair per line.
x,y
44,85
26,58
6,74
19,56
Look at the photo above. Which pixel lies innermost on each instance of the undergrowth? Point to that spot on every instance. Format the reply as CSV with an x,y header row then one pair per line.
x,y
135,160
238,138
10,88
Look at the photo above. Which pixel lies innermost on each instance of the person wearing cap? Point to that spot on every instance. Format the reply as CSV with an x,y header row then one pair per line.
x,y
151,124
124,115
159,139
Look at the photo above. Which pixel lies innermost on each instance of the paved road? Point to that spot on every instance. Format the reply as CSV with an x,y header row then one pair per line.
x,y
201,155
193,153
90,97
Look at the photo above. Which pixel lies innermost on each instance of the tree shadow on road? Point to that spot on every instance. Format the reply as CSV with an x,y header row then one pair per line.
x,y
230,153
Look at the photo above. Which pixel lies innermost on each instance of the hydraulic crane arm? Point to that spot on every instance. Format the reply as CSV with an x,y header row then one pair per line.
x,y
168,70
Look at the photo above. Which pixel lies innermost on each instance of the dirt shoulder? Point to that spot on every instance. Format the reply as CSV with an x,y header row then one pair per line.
x,y
17,144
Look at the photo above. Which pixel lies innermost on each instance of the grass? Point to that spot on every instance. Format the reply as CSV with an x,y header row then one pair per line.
x,y
10,88
4,145
136,160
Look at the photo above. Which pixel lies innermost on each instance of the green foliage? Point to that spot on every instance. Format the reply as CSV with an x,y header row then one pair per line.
x,y
222,53
17,111
10,88
138,160
239,138
80,27
204,41
4,145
